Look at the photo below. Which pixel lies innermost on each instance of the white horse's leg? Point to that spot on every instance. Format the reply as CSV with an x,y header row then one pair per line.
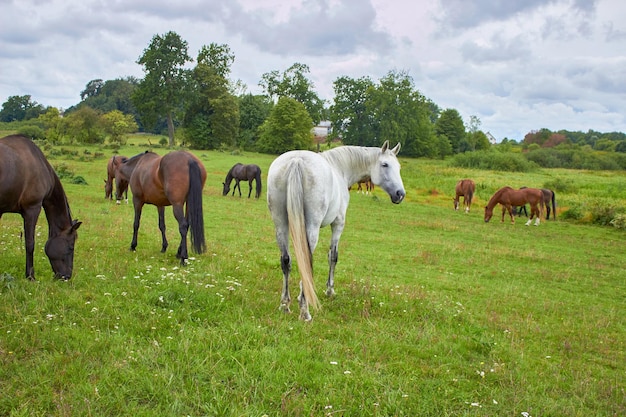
x,y
304,306
333,255
282,238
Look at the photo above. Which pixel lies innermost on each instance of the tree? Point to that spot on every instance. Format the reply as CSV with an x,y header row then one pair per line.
x,y
53,124
212,113
253,111
84,126
18,108
450,125
92,89
162,91
116,124
295,84
287,128
349,115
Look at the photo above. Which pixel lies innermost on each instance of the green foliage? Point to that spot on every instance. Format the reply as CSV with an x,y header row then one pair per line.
x,y
287,128
294,83
575,158
561,185
32,131
450,124
116,125
253,111
496,161
18,108
84,126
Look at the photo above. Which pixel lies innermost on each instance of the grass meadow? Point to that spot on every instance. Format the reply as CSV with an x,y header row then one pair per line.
x,y
436,314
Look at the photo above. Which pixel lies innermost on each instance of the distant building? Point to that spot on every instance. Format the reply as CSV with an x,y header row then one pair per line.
x,y
322,129
491,138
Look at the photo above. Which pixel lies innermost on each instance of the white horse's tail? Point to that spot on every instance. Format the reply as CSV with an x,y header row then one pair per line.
x,y
297,230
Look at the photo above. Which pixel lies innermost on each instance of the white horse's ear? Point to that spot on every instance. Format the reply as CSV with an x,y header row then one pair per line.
x,y
396,149
385,146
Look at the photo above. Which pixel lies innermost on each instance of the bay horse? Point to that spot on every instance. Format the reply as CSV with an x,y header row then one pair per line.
x,y
176,180
465,188
367,183
307,191
549,197
508,197
241,172
112,165
28,183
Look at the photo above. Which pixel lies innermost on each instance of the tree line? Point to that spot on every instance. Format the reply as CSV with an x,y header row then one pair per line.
x,y
200,106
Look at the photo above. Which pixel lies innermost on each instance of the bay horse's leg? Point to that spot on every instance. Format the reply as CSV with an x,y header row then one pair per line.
x,y
333,255
183,228
30,217
138,208
161,211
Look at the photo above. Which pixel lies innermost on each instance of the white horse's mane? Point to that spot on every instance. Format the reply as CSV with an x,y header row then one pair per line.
x,y
353,158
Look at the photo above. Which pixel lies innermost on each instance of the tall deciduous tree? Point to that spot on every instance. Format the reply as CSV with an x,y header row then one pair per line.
x,y
349,115
253,111
294,83
162,91
212,112
18,108
450,126
287,128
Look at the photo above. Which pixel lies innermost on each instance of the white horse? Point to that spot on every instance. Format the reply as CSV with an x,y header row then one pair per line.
x,y
307,191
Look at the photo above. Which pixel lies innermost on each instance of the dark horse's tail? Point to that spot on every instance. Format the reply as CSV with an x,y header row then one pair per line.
x,y
194,208
258,182
553,205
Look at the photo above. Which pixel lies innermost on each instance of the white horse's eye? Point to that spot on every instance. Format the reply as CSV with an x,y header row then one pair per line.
x,y
385,164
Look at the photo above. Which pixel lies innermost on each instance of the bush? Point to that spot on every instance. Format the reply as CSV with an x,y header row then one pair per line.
x,y
561,185
491,160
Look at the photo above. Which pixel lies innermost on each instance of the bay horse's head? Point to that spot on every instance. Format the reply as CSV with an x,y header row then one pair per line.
x,y
386,173
456,202
60,251
488,213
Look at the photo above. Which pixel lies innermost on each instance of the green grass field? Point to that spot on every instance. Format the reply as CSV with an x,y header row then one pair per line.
x,y
436,314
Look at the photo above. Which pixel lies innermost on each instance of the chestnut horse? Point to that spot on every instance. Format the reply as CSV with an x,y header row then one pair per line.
x,y
243,172
508,197
27,184
465,188
176,180
549,197
112,165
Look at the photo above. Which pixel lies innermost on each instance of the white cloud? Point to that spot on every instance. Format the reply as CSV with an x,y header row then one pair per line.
x,y
518,66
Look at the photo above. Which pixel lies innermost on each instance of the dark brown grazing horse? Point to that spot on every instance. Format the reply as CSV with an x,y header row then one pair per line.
x,y
176,180
465,188
549,197
508,197
112,166
28,183
241,172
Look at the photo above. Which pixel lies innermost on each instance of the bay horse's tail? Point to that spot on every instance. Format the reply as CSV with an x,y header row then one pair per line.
x,y
194,208
258,182
553,205
297,230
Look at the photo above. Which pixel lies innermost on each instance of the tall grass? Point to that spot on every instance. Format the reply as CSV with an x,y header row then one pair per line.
x,y
436,312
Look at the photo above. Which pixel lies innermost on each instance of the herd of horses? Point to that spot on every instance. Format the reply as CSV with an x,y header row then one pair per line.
x,y
305,192
512,201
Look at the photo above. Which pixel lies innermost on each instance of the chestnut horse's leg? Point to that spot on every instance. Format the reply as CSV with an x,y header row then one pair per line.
x,y
183,228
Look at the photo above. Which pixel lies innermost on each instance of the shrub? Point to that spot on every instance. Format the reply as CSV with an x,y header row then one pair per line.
x,y
491,160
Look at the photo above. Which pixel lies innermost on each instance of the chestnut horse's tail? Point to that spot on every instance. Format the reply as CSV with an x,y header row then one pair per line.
x,y
194,208
258,182
297,230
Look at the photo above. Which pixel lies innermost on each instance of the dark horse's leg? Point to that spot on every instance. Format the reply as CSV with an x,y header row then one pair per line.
x,y
30,217
183,228
237,186
249,188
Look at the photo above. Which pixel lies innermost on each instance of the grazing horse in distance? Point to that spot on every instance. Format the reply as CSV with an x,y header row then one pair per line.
x,y
176,180
465,188
549,197
28,183
367,183
508,197
243,172
307,191
112,165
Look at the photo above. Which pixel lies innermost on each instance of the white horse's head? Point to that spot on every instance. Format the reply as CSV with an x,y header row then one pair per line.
x,y
386,173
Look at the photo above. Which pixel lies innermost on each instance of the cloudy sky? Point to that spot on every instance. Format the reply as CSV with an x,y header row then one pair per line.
x,y
516,65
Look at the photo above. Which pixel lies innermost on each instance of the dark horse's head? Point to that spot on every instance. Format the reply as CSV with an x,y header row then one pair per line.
x,y
60,251
226,189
